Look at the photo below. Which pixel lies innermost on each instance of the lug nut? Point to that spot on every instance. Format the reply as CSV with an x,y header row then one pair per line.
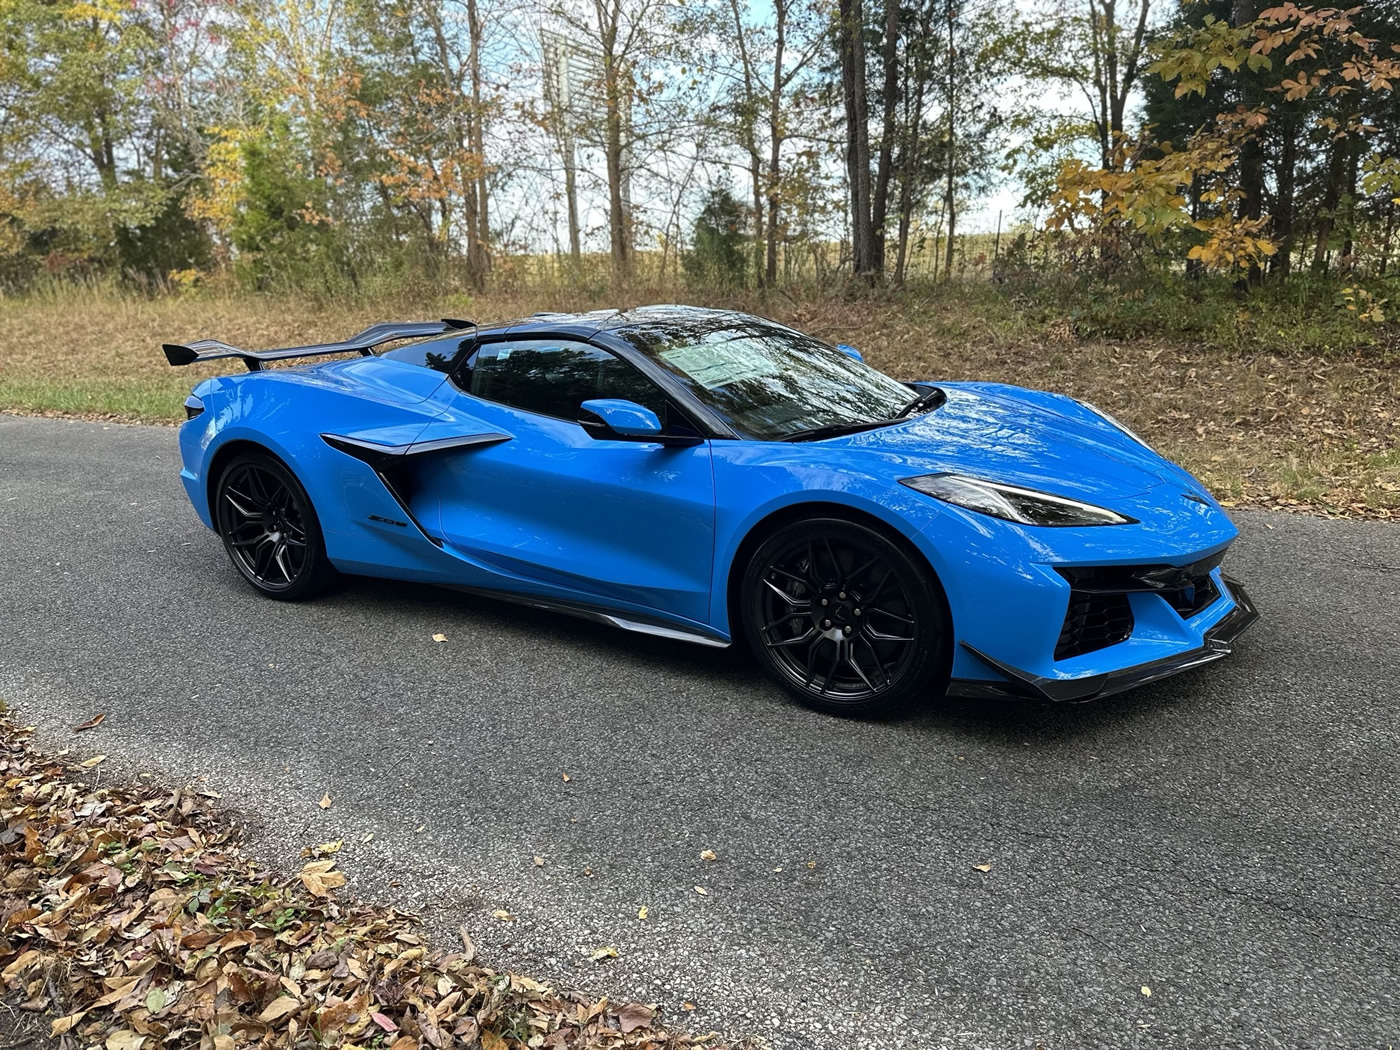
x,y
857,612
845,630
842,596
823,601
826,623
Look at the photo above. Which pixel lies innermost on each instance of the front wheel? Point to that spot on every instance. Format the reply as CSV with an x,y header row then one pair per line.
x,y
270,530
845,619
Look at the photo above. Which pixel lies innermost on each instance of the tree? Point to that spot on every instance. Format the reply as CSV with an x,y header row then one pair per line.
x,y
717,257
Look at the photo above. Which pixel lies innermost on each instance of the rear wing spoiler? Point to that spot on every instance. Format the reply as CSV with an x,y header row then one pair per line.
x,y
363,343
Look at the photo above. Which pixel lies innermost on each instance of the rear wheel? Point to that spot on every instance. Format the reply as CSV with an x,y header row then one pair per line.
x,y
845,618
270,530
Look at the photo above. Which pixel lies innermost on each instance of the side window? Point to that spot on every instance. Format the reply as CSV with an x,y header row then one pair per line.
x,y
554,378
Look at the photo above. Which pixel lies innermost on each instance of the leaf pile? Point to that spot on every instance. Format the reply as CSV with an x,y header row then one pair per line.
x,y
130,914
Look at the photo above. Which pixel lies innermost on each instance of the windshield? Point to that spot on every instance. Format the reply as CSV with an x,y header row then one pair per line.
x,y
768,382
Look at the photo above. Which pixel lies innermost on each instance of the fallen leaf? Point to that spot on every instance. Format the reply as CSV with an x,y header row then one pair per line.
x,y
125,1040
65,1024
687,1005
155,1000
811,864
319,879
404,1042
328,848
983,867
539,862
95,760
279,1008
91,723
1146,990
566,777
383,1022
439,637
468,948
325,802
633,1016
503,915
708,854
642,912
701,890
605,952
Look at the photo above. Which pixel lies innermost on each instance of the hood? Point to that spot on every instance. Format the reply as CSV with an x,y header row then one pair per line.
x,y
1041,441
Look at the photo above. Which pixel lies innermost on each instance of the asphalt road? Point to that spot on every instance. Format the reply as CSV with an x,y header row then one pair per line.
x,y
1226,839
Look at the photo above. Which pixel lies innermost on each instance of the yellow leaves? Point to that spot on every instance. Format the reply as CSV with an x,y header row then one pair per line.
x,y
708,855
319,879
1146,991
501,915
642,912
983,867
702,891
325,802
439,637
607,951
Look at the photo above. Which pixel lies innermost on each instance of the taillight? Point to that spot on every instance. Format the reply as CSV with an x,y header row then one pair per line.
x,y
193,406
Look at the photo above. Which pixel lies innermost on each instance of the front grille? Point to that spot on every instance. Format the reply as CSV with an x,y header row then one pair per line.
x,y
1094,621
1099,613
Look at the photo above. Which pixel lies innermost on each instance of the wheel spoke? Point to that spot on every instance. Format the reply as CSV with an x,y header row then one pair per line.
x,y
791,642
835,663
785,596
893,616
780,571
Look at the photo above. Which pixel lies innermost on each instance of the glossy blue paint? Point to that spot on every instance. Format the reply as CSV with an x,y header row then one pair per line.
x,y
652,533
625,418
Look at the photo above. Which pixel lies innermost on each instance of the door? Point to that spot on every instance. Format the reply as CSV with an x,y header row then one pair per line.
x,y
622,522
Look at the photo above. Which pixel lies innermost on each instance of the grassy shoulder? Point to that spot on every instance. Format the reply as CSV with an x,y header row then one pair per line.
x,y
131,920
1289,405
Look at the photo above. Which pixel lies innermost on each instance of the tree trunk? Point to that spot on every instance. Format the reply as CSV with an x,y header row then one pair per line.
x,y
879,204
478,226
775,140
950,204
1331,197
853,91
748,137
1282,263
1251,205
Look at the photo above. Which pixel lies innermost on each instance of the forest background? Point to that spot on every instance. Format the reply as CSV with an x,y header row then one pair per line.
x,y
1185,211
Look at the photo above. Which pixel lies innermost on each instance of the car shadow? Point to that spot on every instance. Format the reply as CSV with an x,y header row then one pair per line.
x,y
1007,722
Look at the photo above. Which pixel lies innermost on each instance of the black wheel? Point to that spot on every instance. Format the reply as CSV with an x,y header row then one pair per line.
x,y
845,619
270,529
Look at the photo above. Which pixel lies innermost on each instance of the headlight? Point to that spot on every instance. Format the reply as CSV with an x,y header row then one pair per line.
x,y
1112,422
1023,506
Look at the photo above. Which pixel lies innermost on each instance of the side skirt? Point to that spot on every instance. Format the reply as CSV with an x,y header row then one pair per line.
x,y
585,612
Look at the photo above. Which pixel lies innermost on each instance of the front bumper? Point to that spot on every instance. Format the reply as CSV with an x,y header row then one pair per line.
x,y
1219,642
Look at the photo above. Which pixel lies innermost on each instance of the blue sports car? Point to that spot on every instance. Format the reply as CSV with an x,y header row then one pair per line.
x,y
709,476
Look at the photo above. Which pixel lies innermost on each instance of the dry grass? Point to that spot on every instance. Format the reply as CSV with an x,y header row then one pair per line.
x,y
1288,430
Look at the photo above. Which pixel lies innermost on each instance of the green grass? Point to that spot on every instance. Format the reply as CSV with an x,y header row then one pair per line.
x,y
1286,401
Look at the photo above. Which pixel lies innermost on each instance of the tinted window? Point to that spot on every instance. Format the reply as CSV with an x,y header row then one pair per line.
x,y
438,355
554,378
768,381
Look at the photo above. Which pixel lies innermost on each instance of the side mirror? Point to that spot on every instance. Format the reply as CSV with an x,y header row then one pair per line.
x,y
850,351
622,419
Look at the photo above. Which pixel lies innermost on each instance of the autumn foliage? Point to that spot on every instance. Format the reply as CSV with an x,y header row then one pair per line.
x,y
131,918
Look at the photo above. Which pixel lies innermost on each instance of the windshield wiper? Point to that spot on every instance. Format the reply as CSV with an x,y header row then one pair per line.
x,y
927,401
835,430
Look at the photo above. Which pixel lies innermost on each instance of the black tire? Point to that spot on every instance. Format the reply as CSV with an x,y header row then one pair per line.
x,y
846,619
270,529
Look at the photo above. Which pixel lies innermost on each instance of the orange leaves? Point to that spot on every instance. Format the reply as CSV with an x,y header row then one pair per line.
x,y
159,931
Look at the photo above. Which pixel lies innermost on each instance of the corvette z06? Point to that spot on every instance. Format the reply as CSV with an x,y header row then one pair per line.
x,y
712,476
